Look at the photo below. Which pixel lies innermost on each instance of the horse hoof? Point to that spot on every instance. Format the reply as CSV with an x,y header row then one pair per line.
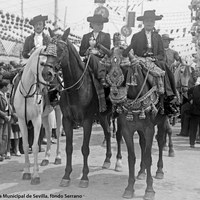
x,y
128,194
159,175
149,195
141,176
26,176
118,168
35,181
171,154
57,161
44,162
106,165
84,183
64,183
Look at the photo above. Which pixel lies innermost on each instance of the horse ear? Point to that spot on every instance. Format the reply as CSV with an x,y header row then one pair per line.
x,y
66,34
51,33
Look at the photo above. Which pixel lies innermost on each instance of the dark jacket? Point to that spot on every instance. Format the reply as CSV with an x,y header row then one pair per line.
x,y
3,113
194,95
29,44
102,38
139,45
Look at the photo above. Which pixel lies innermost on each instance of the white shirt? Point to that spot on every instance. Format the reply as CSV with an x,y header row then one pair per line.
x,y
148,35
38,40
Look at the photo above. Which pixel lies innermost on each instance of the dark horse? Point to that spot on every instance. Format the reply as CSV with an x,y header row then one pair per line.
x,y
79,103
136,101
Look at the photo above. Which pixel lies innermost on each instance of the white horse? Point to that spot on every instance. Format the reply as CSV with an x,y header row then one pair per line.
x,y
29,103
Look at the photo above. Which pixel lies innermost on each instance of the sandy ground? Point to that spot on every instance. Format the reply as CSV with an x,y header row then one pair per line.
x,y
181,179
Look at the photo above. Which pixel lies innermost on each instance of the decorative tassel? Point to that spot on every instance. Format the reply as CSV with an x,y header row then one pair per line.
x,y
129,116
119,110
142,114
154,110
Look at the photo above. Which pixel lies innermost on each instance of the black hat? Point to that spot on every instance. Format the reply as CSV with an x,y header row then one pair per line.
x,y
97,18
166,37
150,14
37,19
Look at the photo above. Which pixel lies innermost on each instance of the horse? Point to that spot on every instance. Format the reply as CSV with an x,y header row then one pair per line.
x,y
79,103
54,96
28,103
135,100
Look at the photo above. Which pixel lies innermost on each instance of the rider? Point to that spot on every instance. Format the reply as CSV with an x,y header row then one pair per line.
x,y
170,55
92,44
148,43
36,39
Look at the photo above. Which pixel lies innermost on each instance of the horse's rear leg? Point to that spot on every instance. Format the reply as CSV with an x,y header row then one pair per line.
x,y
37,126
170,144
107,134
24,132
58,132
149,192
67,126
48,131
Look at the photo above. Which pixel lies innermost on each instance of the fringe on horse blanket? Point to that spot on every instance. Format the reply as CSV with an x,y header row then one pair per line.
x,y
100,93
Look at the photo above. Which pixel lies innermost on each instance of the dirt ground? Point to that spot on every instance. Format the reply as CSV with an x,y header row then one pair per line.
x,y
181,179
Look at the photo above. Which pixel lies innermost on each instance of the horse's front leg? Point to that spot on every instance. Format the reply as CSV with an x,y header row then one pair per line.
x,y
160,137
106,129
37,126
24,132
68,128
128,137
142,174
48,131
118,165
149,134
87,129
58,115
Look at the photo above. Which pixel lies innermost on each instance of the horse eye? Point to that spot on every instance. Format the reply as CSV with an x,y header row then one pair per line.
x,y
42,63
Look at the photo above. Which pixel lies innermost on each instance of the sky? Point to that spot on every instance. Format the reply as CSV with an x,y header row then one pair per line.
x,y
74,13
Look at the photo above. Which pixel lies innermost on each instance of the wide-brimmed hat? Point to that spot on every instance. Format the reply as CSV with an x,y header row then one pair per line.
x,y
97,19
150,14
37,19
166,37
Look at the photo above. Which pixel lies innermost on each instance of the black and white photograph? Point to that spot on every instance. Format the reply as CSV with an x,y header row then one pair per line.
x,y
100,99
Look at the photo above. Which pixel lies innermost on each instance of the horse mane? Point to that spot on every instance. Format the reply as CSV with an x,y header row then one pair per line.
x,y
34,55
73,51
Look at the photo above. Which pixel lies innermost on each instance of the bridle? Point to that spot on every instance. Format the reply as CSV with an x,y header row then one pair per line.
x,y
80,80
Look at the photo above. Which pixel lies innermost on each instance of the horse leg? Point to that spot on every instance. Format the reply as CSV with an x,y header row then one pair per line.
x,y
118,165
37,126
24,132
114,128
58,131
68,128
48,129
149,134
106,128
170,144
141,174
87,129
161,141
128,137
